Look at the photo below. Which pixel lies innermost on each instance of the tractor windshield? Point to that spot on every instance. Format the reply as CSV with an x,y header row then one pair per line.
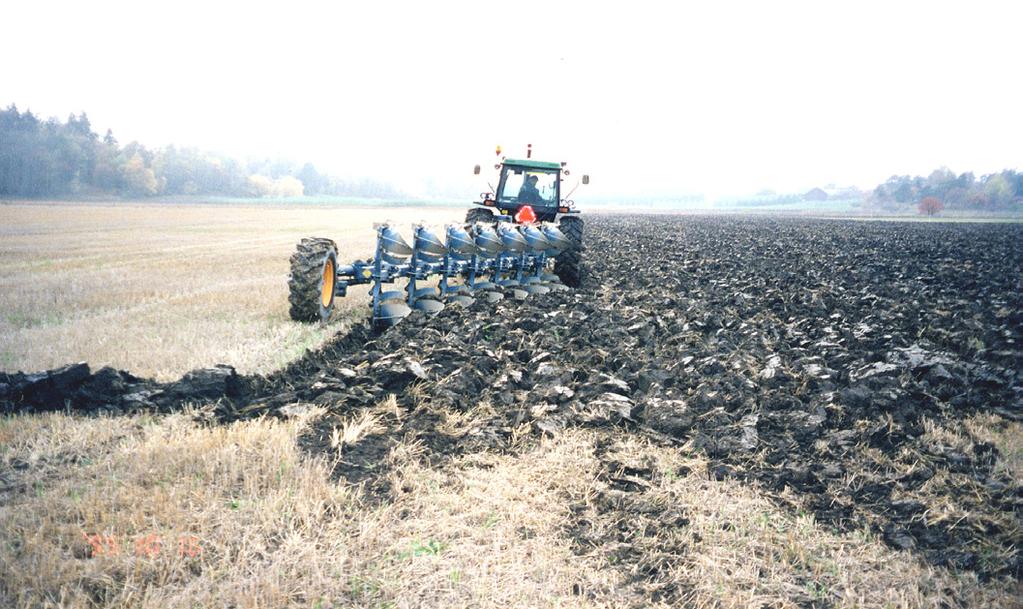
x,y
521,186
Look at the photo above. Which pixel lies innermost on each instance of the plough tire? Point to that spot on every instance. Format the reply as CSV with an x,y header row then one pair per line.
x,y
478,214
313,280
568,264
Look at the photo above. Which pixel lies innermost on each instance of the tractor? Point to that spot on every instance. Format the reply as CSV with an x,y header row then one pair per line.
x,y
491,256
531,191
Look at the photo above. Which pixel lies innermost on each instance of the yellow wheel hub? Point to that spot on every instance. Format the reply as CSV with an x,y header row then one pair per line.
x,y
327,285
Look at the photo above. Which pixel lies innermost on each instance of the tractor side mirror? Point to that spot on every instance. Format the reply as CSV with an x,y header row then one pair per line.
x,y
586,179
476,170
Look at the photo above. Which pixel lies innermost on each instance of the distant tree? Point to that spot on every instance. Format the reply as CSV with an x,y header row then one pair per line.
x,y
107,175
939,182
260,186
815,194
1018,183
966,180
135,148
139,179
998,189
978,200
905,192
930,206
81,126
313,180
957,197
288,186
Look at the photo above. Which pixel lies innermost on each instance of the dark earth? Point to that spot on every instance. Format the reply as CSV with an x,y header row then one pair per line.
x,y
807,357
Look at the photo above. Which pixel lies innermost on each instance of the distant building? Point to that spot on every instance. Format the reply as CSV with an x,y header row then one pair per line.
x,y
816,195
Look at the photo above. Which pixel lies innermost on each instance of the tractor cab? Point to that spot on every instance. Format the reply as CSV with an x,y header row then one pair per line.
x,y
533,183
528,183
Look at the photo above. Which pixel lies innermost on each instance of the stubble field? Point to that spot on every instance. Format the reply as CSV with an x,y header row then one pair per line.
x,y
163,289
730,412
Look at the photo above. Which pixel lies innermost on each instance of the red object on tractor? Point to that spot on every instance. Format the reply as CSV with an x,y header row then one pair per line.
x,y
526,215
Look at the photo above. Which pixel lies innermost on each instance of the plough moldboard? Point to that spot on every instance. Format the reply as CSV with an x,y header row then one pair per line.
x,y
472,261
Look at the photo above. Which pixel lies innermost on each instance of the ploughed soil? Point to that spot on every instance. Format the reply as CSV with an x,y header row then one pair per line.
x,y
830,363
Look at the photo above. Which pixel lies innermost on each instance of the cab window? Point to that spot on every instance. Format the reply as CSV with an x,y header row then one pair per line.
x,y
526,187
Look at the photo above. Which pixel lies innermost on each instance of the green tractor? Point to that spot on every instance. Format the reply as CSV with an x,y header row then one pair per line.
x,y
531,191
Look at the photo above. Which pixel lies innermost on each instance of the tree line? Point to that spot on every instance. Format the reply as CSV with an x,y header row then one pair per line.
x,y
50,158
992,192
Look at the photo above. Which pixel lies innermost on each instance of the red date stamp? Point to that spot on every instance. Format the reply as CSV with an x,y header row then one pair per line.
x,y
146,546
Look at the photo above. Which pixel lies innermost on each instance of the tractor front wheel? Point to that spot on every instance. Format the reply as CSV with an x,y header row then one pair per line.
x,y
313,280
478,214
569,264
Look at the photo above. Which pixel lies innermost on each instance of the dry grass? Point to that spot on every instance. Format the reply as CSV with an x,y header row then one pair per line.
x,y
163,289
739,550
273,529
1007,436
181,515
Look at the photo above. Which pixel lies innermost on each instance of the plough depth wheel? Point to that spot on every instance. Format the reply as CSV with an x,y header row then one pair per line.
x,y
313,280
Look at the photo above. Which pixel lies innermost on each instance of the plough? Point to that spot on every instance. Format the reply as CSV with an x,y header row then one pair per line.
x,y
489,257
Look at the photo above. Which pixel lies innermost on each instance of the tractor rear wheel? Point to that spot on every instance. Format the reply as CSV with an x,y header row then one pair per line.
x,y
478,214
569,263
313,280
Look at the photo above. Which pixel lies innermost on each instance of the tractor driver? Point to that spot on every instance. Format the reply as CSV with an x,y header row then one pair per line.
x,y
529,193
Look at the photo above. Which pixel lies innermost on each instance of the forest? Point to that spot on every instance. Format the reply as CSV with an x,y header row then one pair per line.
x,y
49,158
1001,191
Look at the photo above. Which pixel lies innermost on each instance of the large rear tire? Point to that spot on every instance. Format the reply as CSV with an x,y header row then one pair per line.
x,y
313,280
478,214
568,266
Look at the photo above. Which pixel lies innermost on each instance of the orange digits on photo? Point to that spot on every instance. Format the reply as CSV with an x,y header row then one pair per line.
x,y
148,546
188,545
102,545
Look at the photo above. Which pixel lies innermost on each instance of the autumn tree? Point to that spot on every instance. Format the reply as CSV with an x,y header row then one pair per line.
x,y
930,206
260,186
139,180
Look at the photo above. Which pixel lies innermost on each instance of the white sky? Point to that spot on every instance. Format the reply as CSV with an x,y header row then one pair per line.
x,y
711,97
